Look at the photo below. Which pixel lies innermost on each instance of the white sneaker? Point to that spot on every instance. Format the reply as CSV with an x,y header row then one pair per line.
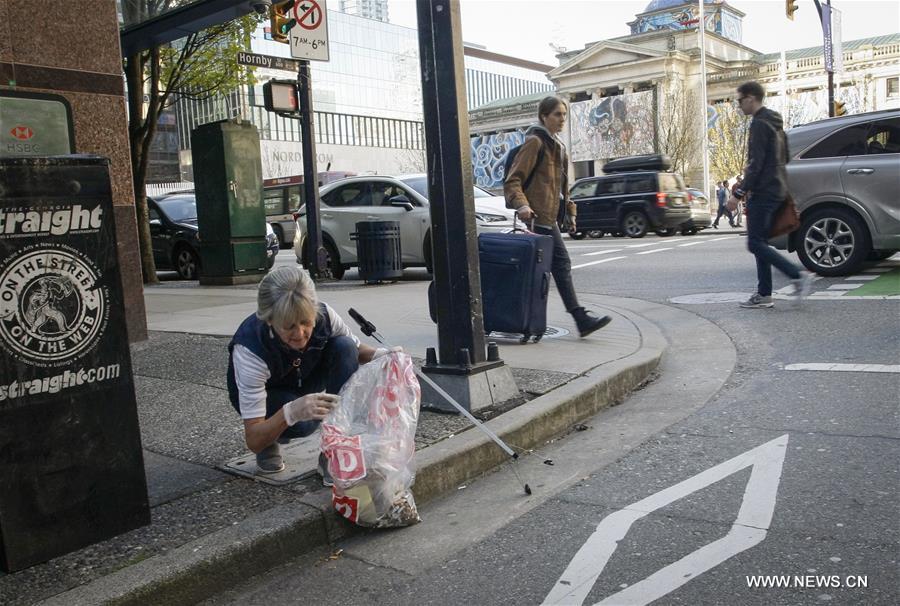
x,y
802,286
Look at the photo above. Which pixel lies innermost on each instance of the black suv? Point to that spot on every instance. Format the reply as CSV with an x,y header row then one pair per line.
x,y
636,194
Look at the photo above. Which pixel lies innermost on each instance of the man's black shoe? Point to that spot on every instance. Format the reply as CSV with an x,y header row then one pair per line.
x,y
587,322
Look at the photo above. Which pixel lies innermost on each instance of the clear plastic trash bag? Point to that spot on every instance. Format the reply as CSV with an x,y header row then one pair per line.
x,y
369,441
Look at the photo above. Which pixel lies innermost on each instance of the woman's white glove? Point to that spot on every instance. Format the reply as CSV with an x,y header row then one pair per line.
x,y
383,351
311,407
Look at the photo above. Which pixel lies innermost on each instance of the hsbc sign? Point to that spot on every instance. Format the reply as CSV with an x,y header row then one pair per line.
x,y
34,124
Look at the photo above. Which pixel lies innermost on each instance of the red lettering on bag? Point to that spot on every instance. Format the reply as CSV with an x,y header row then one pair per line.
x,y
345,458
346,506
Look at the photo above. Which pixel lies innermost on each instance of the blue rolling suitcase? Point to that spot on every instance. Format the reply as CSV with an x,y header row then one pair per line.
x,y
515,282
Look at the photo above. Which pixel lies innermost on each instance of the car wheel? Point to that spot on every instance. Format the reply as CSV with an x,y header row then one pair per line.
x,y
634,224
279,233
596,233
578,235
833,242
333,260
665,233
186,262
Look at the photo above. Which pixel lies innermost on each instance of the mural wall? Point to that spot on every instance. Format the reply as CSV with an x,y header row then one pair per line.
x,y
612,127
718,19
488,155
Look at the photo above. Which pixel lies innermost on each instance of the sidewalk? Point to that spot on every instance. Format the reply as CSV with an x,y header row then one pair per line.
x,y
214,522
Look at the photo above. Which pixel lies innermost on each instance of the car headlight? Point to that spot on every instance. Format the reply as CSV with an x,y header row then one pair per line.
x,y
490,218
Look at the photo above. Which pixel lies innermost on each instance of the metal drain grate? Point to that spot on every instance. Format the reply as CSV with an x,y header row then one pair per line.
x,y
552,332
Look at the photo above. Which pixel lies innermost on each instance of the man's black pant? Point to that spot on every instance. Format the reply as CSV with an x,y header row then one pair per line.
x,y
561,267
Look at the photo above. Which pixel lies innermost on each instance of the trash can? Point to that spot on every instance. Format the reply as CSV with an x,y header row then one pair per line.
x,y
378,250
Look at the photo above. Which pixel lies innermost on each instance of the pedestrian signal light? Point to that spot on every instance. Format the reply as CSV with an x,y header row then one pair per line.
x,y
281,96
280,21
790,7
839,109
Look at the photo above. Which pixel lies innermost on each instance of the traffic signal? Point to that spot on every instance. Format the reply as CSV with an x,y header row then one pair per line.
x,y
790,7
839,109
281,22
281,96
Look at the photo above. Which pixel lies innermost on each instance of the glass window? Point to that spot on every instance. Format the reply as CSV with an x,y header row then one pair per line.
x,y
273,200
151,212
641,184
295,194
850,141
352,194
884,137
381,193
612,185
893,87
584,189
670,182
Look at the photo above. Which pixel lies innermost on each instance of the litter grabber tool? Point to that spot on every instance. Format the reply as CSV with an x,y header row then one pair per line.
x,y
369,330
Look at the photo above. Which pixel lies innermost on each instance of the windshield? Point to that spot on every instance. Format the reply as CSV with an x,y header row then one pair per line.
x,y
420,185
179,208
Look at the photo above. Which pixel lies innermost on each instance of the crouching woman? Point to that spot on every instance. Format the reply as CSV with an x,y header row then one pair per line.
x,y
286,364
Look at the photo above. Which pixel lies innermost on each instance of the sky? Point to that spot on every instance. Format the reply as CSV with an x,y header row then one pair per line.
x,y
526,28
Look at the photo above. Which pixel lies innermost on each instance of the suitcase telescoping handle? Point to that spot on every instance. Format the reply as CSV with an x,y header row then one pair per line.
x,y
529,229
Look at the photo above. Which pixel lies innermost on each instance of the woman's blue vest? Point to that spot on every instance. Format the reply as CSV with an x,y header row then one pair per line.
x,y
287,367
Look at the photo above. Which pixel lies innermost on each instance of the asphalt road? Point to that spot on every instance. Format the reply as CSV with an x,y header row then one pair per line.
x,y
792,473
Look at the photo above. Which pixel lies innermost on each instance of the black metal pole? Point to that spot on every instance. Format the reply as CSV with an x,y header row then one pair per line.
x,y
450,192
315,253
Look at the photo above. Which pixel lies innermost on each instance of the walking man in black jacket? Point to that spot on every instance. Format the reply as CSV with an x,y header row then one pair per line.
x,y
763,190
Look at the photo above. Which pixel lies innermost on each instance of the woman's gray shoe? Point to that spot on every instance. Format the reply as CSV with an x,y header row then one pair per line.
x,y
757,301
269,460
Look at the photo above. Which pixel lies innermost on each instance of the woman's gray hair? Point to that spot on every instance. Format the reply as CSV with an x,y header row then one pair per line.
x,y
287,295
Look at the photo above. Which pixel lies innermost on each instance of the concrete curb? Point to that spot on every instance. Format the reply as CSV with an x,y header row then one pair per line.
x,y
203,567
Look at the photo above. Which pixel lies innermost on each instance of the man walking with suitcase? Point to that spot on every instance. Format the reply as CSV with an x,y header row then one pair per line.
x,y
536,187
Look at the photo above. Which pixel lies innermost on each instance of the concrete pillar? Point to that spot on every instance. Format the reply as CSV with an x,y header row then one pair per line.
x,y
72,49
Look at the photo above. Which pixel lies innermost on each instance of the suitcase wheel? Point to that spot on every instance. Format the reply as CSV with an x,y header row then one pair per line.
x,y
537,338
525,338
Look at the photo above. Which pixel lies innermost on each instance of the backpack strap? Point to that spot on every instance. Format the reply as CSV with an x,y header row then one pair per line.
x,y
537,163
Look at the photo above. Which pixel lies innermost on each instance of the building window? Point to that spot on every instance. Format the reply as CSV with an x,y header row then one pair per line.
x,y
893,87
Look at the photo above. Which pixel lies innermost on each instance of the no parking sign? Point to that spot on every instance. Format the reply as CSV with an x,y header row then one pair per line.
x,y
309,38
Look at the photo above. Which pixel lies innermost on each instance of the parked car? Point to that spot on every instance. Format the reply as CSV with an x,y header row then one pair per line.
x,y
635,195
382,198
174,237
701,217
282,196
844,174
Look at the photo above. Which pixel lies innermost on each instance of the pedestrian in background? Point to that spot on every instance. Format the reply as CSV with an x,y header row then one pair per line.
x,y
763,190
721,197
286,364
546,200
738,210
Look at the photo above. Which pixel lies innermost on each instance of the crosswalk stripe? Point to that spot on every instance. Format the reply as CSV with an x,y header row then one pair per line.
x,y
607,260
602,252
844,367
691,243
650,252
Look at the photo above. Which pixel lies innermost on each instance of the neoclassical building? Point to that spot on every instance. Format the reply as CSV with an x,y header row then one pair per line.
x,y
640,93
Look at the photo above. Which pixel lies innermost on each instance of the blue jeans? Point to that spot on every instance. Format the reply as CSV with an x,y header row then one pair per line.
x,y
561,266
340,359
723,210
760,214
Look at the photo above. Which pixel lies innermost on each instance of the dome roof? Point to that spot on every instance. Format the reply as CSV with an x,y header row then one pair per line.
x,y
656,5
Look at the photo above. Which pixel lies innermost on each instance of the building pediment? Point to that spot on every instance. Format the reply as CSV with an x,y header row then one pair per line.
x,y
605,54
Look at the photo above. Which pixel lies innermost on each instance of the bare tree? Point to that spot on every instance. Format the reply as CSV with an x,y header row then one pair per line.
x,y
728,142
199,66
679,130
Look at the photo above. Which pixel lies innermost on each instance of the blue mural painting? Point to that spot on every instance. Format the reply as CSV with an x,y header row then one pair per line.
x,y
719,19
488,156
622,125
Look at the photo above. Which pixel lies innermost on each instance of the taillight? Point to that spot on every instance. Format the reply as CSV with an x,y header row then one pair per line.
x,y
661,198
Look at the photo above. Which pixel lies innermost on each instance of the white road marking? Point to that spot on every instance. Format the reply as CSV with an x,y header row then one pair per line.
x,y
838,367
650,252
844,286
642,245
602,252
860,277
692,243
722,238
749,528
607,260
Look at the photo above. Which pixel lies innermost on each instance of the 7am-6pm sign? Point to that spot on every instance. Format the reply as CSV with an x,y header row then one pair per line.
x,y
309,36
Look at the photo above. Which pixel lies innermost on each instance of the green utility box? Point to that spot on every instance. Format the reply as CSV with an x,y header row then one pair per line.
x,y
231,218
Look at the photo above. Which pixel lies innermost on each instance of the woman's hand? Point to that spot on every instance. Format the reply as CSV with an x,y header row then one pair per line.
x,y
311,407
383,351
